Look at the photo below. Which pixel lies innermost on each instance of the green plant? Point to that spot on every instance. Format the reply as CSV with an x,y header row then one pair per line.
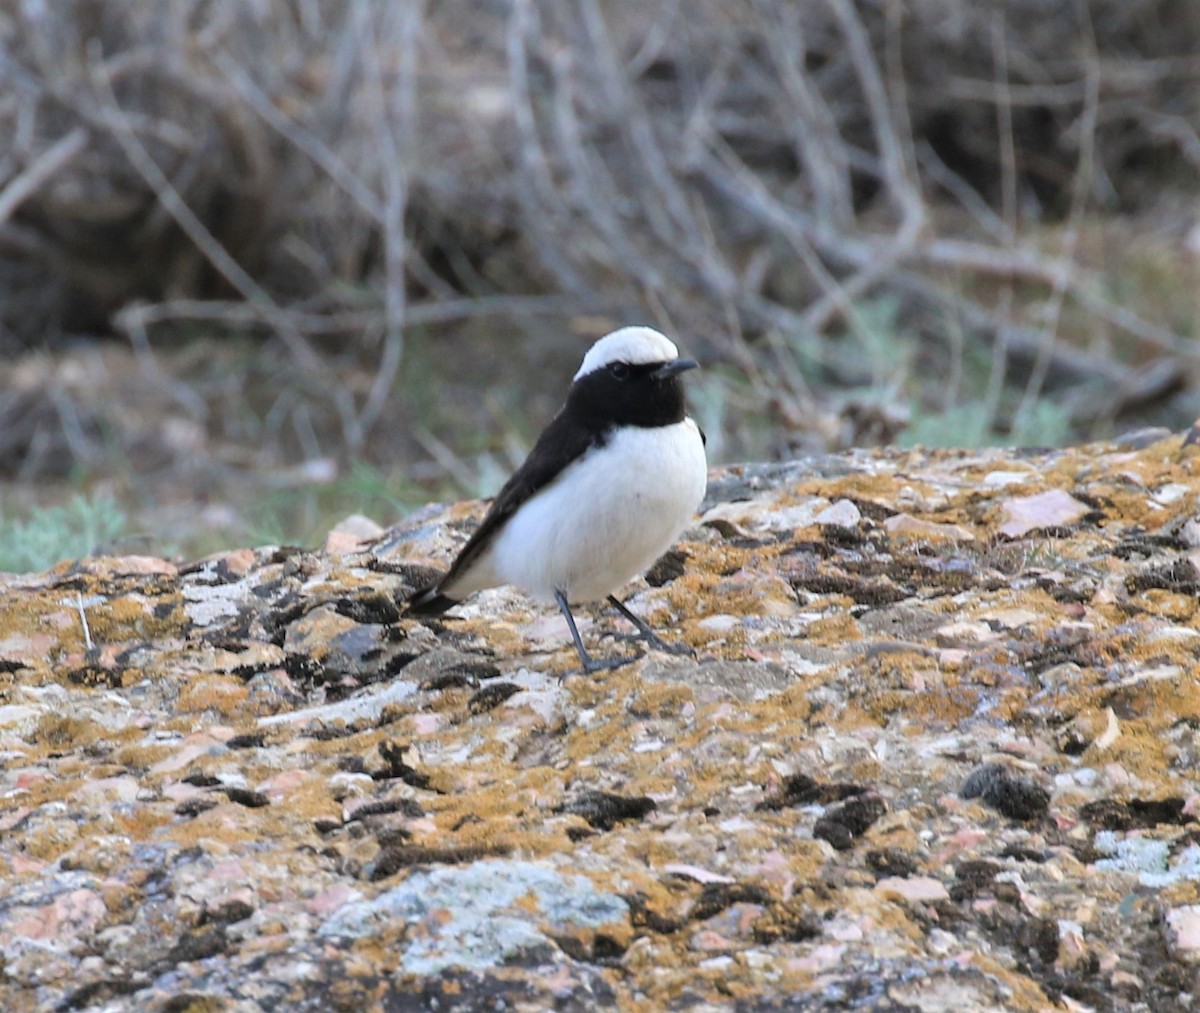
x,y
885,345
1047,425
82,526
970,425
966,425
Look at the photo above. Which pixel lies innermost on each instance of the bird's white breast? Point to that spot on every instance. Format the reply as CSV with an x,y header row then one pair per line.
x,y
605,518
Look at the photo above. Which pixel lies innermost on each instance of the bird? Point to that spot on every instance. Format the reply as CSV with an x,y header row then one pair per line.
x,y
611,482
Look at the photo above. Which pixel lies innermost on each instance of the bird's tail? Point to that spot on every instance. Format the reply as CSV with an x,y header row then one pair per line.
x,y
430,602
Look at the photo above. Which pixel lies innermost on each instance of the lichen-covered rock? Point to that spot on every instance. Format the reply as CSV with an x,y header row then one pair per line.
x,y
936,750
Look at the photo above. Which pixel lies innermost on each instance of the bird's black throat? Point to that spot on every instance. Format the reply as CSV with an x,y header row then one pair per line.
x,y
601,401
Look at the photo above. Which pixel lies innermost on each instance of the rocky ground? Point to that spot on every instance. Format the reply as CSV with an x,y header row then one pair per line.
x,y
936,750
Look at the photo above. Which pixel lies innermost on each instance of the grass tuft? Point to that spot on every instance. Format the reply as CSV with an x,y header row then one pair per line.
x,y
83,526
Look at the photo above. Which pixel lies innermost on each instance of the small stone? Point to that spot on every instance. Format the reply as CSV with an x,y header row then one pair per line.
x,y
904,525
965,633
1003,479
696,873
1189,534
707,941
1140,439
670,566
843,514
1073,950
445,666
720,623
490,696
107,789
604,810
351,534
244,796
273,691
222,567
1054,509
1182,927
842,825
1010,794
915,889
75,912
111,567
484,914
736,922
329,644
327,824
1014,618
20,650
365,706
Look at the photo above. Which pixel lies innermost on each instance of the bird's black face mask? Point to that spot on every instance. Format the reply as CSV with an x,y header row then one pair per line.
x,y
632,394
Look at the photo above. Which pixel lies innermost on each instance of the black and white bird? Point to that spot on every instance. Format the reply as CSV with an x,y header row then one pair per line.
x,y
612,481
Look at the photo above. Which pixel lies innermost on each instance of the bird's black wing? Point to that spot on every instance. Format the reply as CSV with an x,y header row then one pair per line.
x,y
563,442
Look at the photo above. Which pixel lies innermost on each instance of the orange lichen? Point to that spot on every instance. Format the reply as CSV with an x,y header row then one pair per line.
x,y
222,695
660,700
1071,656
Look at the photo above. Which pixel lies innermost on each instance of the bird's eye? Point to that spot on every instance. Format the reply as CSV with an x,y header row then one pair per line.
x,y
620,370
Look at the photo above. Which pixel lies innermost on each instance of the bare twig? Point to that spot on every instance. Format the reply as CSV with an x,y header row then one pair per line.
x,y
676,222
87,632
972,201
332,164
240,315
748,176
449,461
173,203
49,162
592,186
1002,92
893,163
535,188
395,136
807,117
1079,192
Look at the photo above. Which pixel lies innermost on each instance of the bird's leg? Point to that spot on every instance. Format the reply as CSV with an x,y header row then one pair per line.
x,y
644,632
590,664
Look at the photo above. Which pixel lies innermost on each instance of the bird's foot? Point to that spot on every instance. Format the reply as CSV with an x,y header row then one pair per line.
x,y
657,643
593,665
644,632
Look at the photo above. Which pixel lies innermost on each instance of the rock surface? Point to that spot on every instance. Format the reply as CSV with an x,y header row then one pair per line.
x,y
937,750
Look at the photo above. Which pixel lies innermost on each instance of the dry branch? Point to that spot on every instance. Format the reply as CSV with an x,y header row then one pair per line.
x,y
751,174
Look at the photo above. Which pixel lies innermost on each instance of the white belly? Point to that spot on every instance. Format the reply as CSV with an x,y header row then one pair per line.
x,y
606,518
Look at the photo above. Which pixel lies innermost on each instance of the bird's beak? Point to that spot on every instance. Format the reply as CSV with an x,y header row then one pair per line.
x,y
670,369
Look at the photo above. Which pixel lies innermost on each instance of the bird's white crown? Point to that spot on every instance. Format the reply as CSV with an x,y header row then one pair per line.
x,y
635,345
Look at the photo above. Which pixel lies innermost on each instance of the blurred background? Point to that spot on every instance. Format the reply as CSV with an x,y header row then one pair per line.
x,y
264,263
